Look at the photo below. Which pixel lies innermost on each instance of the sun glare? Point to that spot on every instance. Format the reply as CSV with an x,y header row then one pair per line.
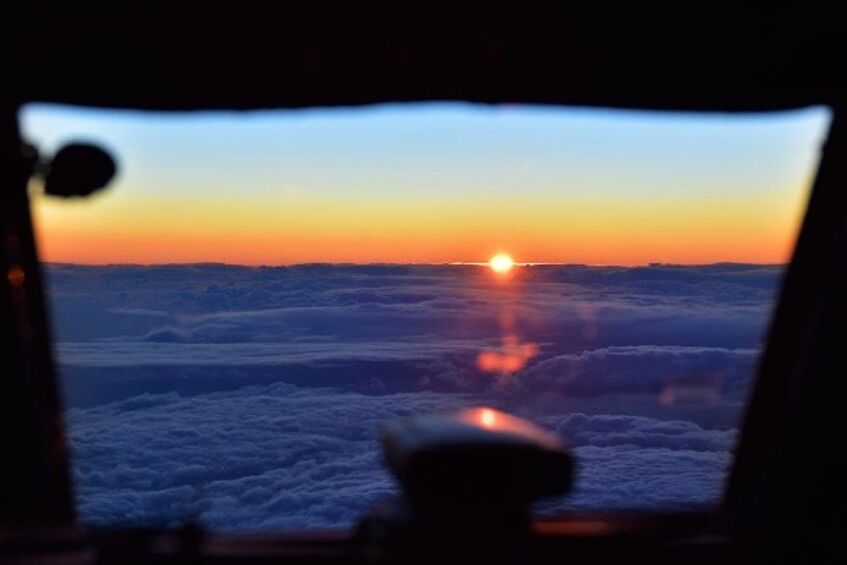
x,y
501,263
487,417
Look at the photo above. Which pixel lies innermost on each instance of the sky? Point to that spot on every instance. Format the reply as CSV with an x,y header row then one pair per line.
x,y
432,183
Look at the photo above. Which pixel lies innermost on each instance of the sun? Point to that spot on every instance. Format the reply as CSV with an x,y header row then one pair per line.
x,y
501,263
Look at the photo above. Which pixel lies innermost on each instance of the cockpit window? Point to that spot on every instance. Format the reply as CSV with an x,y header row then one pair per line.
x,y
257,293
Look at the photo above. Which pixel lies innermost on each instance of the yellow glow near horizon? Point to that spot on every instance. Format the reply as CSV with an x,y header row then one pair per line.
x,y
433,186
137,228
501,263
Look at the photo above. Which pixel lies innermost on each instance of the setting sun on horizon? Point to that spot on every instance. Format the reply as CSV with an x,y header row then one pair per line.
x,y
501,263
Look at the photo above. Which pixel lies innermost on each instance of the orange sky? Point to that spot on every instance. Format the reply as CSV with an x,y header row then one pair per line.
x,y
433,184
625,231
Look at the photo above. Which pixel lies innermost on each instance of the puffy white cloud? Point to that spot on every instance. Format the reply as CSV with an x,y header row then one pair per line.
x,y
646,369
575,307
280,456
265,456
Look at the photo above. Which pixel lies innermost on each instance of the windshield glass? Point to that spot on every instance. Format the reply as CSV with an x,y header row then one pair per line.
x,y
256,293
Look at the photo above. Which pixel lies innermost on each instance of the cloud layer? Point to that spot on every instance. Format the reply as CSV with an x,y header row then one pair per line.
x,y
250,397
280,456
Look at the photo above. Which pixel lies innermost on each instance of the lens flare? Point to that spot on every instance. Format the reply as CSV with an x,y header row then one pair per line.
x,y
487,417
501,263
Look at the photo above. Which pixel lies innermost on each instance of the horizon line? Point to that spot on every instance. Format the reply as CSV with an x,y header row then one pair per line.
x,y
409,264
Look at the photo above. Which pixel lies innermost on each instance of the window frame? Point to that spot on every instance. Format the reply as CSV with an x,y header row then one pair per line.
x,y
759,474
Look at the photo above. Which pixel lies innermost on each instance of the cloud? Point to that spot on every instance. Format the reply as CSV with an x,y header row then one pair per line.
x,y
168,335
719,306
250,397
628,462
280,456
645,369
274,456
606,430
